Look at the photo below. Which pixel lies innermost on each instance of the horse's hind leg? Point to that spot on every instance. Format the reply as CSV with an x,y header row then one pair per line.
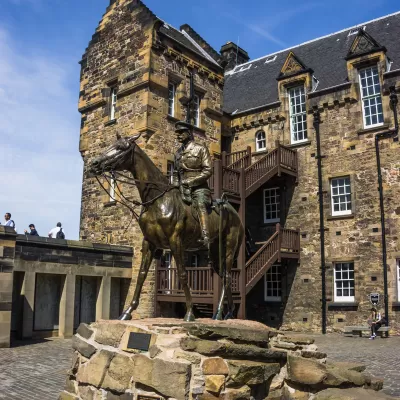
x,y
148,251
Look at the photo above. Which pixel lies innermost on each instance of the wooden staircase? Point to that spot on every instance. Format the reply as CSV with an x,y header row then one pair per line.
x,y
284,243
236,176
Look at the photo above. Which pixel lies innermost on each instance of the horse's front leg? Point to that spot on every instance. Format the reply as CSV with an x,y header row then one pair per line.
x,y
178,254
148,251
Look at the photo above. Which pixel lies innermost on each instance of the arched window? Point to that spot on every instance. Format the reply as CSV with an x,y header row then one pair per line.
x,y
261,142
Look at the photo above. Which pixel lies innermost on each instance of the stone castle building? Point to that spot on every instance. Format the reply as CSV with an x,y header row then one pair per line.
x,y
291,133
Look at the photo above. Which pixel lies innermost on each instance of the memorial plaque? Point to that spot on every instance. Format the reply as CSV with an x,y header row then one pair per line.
x,y
139,341
374,298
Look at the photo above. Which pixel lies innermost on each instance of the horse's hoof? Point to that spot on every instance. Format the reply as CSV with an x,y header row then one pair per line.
x,y
228,316
125,317
218,317
189,317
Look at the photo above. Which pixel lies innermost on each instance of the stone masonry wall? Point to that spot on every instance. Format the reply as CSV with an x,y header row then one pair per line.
x,y
128,53
348,149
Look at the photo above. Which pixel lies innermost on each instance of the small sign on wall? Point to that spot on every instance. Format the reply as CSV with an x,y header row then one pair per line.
x,y
374,299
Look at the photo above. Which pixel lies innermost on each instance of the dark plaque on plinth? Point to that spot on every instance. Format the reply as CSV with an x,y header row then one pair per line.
x,y
139,341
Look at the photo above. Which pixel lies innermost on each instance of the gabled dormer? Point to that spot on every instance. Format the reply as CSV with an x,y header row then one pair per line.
x,y
294,82
364,44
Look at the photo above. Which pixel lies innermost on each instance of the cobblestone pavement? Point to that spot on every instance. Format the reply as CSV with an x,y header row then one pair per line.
x,y
37,370
34,370
381,356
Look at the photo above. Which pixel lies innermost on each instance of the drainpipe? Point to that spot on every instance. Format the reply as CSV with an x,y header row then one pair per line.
x,y
378,137
316,123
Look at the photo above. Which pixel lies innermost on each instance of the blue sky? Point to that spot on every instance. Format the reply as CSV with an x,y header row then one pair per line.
x,y
41,42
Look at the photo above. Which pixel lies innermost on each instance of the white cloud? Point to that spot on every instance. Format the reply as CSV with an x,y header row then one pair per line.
x,y
41,168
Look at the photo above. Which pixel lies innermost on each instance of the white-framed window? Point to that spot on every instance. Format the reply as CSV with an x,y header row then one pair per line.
x,y
341,196
398,279
261,141
171,99
344,282
371,96
272,201
170,171
273,284
196,110
112,189
194,260
298,114
113,100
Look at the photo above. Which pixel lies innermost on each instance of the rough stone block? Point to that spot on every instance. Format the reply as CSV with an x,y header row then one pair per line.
x,y
313,354
84,331
297,339
245,372
351,366
67,396
84,348
351,394
119,373
193,358
109,334
214,383
158,374
305,371
94,370
215,366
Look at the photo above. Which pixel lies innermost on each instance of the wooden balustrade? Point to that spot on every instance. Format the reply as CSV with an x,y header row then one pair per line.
x,y
230,180
290,240
232,158
200,281
261,167
263,256
288,158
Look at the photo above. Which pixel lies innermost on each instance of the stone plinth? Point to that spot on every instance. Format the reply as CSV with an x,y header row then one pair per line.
x,y
202,360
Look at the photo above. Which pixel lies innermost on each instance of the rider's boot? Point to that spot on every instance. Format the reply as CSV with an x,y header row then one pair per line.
x,y
205,232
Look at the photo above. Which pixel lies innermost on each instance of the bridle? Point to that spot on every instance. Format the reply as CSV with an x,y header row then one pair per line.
x,y
118,177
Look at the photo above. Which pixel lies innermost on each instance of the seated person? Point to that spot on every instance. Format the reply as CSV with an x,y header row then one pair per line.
x,y
376,321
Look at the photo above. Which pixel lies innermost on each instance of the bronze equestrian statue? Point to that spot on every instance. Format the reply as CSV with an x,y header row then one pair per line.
x,y
168,221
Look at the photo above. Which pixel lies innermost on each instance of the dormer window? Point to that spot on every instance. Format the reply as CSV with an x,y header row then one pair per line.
x,y
261,142
371,97
298,114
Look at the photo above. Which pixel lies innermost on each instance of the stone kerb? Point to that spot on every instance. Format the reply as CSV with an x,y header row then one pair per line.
x,y
204,360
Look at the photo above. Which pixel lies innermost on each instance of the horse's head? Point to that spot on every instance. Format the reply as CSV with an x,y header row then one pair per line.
x,y
115,158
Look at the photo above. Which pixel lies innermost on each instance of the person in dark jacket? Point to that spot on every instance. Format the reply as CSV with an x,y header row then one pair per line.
x,y
33,231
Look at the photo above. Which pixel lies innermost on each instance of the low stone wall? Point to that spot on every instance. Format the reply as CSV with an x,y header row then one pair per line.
x,y
207,360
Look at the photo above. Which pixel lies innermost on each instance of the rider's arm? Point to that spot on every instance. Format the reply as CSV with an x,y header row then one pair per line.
x,y
206,168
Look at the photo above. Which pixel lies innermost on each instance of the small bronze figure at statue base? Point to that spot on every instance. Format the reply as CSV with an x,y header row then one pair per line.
x,y
178,217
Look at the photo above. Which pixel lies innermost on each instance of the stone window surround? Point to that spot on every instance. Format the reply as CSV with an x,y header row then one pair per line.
x,y
276,273
330,262
305,133
260,140
343,299
327,189
363,68
278,192
345,212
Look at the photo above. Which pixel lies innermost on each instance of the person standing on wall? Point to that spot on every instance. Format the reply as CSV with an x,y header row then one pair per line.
x,y
8,221
33,231
57,232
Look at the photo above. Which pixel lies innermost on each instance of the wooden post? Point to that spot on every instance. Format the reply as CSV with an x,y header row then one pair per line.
x,y
241,261
217,282
249,156
278,229
223,158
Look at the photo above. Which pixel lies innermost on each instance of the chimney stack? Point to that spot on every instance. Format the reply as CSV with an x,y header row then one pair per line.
x,y
233,55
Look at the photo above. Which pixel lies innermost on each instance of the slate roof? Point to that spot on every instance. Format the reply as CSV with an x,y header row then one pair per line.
x,y
184,39
256,84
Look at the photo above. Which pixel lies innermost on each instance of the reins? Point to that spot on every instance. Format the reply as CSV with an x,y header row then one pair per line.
x,y
116,177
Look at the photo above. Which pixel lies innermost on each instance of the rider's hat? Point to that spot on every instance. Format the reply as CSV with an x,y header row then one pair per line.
x,y
183,126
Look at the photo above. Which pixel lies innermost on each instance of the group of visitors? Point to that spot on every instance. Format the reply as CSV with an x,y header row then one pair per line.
x,y
55,233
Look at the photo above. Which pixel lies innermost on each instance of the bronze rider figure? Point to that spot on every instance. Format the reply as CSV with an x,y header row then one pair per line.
x,y
192,169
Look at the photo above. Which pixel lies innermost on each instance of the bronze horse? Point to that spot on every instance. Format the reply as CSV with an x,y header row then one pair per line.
x,y
168,223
